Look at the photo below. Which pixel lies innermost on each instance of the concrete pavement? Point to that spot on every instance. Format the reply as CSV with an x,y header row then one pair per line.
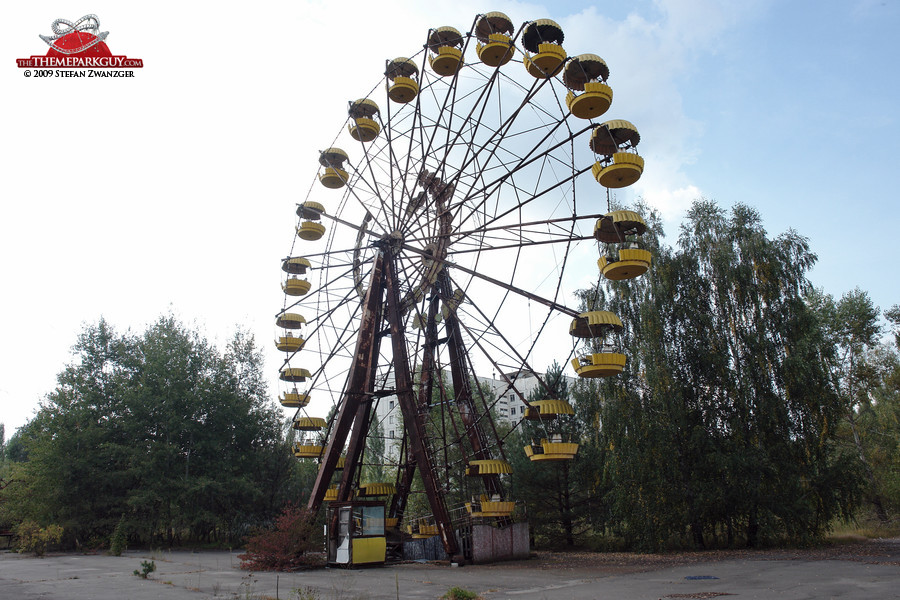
x,y
183,575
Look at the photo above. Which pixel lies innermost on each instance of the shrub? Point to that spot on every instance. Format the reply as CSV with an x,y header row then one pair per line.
x,y
285,547
34,538
118,540
147,567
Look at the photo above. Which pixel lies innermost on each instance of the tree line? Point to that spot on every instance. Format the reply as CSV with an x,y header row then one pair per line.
x,y
159,432
753,409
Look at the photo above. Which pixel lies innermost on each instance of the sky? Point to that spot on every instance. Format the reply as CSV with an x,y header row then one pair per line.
x,y
174,191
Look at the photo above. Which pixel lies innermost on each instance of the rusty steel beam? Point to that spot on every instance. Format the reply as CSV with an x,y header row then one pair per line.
x,y
412,415
357,384
426,386
462,390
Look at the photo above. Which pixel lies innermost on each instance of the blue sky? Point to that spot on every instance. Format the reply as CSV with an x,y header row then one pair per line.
x,y
133,196
799,118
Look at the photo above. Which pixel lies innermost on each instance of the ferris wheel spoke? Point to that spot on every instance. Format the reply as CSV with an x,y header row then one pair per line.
x,y
325,320
553,234
529,199
371,163
468,127
498,134
504,134
520,244
488,189
504,348
460,235
519,291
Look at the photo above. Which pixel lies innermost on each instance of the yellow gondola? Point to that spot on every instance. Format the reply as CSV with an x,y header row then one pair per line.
x,y
494,32
486,507
368,490
446,55
625,169
622,227
615,227
364,127
616,141
290,320
548,409
296,265
595,324
551,451
310,231
488,467
402,87
599,364
289,343
308,450
295,287
310,210
334,176
631,263
587,73
294,374
294,399
611,136
543,39
422,530
309,423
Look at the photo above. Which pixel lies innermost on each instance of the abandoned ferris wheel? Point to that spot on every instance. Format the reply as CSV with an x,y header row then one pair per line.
x,y
434,245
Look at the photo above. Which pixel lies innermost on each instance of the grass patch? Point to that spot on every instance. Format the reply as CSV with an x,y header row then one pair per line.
x,y
864,528
457,593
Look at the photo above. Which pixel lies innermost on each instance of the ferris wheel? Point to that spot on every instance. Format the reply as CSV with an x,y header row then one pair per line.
x,y
436,246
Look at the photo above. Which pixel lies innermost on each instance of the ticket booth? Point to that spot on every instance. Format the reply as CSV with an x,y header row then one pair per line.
x,y
355,533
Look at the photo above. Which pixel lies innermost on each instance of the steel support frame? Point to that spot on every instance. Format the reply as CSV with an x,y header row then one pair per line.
x,y
462,390
414,414
357,394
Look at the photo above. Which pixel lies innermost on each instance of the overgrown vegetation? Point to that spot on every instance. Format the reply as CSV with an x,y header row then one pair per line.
x,y
36,539
753,410
118,540
287,546
458,593
161,428
147,567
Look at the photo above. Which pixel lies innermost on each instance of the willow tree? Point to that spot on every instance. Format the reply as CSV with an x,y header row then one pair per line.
x,y
722,423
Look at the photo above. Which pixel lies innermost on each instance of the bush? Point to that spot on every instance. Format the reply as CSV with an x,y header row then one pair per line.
x,y
34,538
147,567
285,547
118,540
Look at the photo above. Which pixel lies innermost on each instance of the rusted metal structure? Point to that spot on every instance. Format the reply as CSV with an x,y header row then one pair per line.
x,y
436,249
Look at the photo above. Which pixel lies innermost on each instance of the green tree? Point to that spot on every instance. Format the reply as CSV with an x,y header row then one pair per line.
x,y
159,427
724,418
853,329
558,495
